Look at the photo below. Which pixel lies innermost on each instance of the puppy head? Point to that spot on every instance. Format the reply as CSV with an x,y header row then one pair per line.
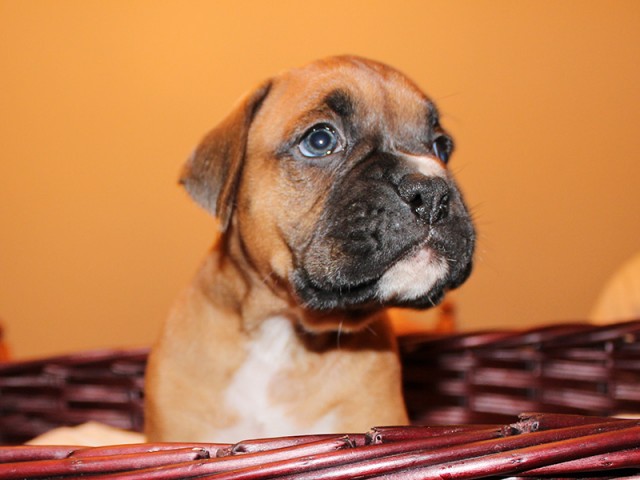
x,y
335,176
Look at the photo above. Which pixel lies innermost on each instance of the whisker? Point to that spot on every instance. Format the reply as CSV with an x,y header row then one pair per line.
x,y
371,330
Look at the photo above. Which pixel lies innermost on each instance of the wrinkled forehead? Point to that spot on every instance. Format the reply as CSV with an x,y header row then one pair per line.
x,y
376,97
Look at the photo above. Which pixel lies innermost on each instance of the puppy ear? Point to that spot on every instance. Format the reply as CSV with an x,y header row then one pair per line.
x,y
212,173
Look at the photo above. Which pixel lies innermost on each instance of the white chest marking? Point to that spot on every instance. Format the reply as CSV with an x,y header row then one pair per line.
x,y
249,395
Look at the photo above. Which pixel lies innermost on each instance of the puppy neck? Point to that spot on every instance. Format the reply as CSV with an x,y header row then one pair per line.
x,y
231,283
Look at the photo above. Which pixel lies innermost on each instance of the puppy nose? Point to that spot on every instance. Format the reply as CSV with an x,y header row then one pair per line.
x,y
428,197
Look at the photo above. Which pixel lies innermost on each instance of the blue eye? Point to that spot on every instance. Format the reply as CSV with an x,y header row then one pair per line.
x,y
442,148
320,141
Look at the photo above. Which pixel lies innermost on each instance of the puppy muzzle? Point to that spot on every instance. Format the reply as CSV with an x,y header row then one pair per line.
x,y
389,236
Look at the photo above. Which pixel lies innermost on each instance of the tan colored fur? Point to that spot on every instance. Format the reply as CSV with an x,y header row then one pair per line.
x,y
204,342
343,364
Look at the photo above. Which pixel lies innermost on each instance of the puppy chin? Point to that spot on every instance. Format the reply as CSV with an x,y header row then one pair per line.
x,y
413,278
419,280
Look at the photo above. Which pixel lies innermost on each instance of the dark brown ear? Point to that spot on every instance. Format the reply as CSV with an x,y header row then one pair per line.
x,y
212,173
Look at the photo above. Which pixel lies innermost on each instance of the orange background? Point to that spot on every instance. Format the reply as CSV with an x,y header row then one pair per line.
x,y
102,101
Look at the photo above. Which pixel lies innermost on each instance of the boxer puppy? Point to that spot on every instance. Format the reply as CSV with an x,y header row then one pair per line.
x,y
331,186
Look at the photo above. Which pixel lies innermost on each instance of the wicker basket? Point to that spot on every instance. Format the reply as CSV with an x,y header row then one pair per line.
x,y
480,377
104,386
491,376
538,446
473,380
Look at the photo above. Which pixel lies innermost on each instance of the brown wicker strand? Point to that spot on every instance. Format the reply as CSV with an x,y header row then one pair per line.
x,y
26,453
395,434
91,465
516,461
316,465
624,459
266,444
212,449
231,463
387,464
532,422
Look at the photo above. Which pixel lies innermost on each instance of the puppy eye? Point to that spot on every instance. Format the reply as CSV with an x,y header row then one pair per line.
x,y
442,148
320,141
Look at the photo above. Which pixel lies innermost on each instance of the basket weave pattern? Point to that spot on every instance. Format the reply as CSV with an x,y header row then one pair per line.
x,y
491,376
103,386
477,381
480,377
536,446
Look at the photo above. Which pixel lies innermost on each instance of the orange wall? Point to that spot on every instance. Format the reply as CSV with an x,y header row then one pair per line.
x,y
102,101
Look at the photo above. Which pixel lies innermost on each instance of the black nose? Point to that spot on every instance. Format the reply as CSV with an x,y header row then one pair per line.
x,y
428,197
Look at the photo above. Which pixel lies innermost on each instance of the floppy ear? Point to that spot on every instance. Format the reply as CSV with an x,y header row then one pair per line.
x,y
212,173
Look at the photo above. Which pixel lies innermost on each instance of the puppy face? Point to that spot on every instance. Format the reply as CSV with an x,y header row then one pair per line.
x,y
335,177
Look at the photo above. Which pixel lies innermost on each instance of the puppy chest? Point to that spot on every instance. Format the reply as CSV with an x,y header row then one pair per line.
x,y
267,355
258,393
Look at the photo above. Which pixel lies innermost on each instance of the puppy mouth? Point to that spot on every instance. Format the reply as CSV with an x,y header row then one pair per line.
x,y
417,278
331,297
